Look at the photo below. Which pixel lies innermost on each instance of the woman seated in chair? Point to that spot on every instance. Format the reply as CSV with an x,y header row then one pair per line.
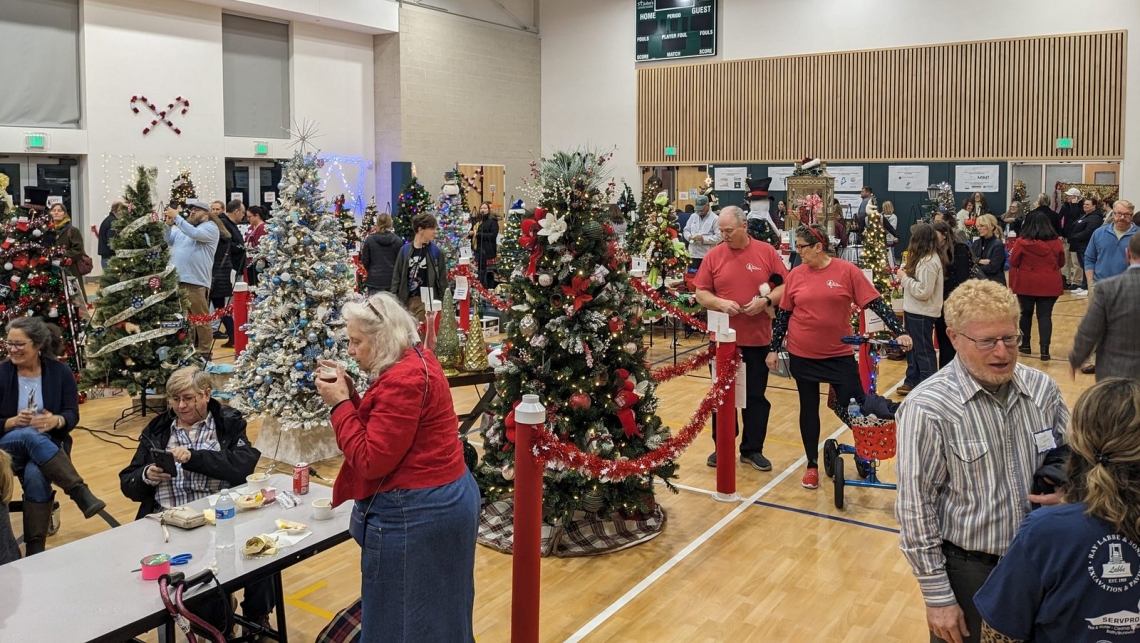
x,y
39,405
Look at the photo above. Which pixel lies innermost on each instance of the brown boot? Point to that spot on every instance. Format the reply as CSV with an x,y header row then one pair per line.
x,y
37,517
60,471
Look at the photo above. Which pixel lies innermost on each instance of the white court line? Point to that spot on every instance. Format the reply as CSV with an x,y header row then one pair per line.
x,y
700,540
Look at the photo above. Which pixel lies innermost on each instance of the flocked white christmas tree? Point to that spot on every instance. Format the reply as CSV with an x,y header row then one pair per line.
x,y
294,319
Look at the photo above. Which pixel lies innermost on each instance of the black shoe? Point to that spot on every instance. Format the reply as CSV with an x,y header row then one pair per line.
x,y
229,344
220,335
1044,357
1088,369
1024,350
757,460
712,460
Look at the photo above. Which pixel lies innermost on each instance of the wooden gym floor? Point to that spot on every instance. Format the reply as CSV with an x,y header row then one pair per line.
x,y
782,565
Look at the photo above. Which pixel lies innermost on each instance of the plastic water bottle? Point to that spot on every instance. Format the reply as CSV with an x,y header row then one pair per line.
x,y
853,409
224,520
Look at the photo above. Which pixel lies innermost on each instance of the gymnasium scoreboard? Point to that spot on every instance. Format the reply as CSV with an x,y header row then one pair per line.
x,y
675,29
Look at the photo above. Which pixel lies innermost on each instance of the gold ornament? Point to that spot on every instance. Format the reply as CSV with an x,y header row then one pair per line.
x,y
475,352
4,180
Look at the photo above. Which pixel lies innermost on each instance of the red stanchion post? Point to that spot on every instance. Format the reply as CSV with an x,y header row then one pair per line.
x,y
241,316
726,420
465,303
526,578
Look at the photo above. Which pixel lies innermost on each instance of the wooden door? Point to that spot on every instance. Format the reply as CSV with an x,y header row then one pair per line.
x,y
1108,173
490,181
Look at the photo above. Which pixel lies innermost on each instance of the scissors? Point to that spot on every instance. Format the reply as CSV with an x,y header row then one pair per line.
x,y
180,559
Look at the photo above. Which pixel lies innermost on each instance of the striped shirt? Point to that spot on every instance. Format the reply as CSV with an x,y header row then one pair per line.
x,y
187,486
966,463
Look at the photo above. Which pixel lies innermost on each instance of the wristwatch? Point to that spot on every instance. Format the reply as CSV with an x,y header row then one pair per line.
x,y
767,299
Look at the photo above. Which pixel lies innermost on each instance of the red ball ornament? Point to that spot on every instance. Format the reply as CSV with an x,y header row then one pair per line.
x,y
154,282
579,401
616,325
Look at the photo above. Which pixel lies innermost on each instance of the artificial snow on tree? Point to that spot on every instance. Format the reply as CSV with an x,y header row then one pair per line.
x,y
655,235
181,188
294,320
138,333
874,255
512,256
574,339
454,217
368,220
413,200
348,223
32,278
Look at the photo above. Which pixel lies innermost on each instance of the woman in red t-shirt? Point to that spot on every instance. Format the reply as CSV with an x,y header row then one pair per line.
x,y
417,506
815,315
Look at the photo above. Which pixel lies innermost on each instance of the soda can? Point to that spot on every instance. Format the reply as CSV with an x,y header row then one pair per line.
x,y
301,478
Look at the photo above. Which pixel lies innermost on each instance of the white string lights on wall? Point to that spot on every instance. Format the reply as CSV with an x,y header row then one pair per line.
x,y
335,181
119,171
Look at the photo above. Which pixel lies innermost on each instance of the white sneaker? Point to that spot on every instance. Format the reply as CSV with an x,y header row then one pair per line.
x,y
1079,292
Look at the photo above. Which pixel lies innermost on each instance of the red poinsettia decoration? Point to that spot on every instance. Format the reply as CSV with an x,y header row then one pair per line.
x,y
577,289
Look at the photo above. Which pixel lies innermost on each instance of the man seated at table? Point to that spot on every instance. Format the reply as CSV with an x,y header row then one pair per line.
x,y
211,452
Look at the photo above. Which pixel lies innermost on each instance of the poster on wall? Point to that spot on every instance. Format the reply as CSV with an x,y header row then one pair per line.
x,y
908,178
779,176
850,203
976,178
731,178
848,178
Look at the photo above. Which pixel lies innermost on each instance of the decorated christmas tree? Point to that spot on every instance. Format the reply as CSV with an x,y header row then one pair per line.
x,y
454,217
943,202
654,235
575,341
626,202
32,278
413,200
512,256
348,223
368,220
138,332
181,188
874,254
708,189
295,317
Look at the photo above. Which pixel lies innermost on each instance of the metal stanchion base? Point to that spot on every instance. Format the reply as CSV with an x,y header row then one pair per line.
x,y
726,497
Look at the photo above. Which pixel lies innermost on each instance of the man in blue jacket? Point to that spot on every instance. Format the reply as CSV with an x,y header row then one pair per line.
x,y
1104,257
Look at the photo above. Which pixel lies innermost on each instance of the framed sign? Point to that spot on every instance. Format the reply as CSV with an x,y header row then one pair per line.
x,y
675,29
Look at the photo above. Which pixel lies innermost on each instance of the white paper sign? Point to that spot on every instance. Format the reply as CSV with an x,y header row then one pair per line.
x,y
425,296
872,323
730,178
741,385
848,178
908,178
717,321
236,196
492,190
976,178
779,176
465,252
640,264
682,195
52,200
269,197
692,194
850,203
460,288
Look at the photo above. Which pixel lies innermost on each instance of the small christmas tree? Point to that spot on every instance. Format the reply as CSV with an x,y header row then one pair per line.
x,y
413,200
454,217
874,254
348,224
627,204
654,235
33,279
368,221
944,202
182,188
139,330
512,256
708,189
295,316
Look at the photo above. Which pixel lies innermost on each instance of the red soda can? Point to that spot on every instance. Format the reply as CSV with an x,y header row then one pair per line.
x,y
301,478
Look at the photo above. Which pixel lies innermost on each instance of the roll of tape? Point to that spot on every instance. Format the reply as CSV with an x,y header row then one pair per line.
x,y
155,565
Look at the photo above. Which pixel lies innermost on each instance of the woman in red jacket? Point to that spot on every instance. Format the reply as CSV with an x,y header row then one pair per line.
x,y
417,507
1035,277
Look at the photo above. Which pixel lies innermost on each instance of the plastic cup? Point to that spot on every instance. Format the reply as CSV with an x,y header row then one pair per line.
x,y
322,509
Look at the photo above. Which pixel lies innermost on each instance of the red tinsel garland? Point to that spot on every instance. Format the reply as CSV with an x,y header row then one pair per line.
x,y
660,302
548,448
209,317
487,295
666,373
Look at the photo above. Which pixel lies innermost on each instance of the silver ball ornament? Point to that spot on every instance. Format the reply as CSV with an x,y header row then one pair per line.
x,y
37,233
312,338
630,348
528,326
508,472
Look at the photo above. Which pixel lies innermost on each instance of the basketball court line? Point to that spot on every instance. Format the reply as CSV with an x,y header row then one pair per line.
x,y
806,512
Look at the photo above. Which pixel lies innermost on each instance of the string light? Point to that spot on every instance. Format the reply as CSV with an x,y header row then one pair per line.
x,y
333,169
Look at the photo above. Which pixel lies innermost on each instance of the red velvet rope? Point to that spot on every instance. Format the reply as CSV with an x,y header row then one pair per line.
x,y
209,317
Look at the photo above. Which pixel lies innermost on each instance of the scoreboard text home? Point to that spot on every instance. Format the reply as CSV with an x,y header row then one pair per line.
x,y
675,29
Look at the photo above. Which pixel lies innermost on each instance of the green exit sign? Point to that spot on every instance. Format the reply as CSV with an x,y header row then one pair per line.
x,y
670,151
260,148
35,141
1064,143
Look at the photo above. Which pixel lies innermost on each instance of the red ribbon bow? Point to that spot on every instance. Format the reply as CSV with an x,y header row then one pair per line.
x,y
578,291
510,425
529,240
625,399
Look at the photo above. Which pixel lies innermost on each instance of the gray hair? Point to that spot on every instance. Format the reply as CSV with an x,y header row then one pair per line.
x,y
47,338
737,213
387,326
188,378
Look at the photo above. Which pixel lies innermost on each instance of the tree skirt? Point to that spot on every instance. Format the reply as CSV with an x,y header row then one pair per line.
x,y
588,534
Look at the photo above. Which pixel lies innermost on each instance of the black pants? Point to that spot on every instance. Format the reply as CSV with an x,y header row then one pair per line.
x,y
227,321
946,350
840,372
1044,306
967,574
757,407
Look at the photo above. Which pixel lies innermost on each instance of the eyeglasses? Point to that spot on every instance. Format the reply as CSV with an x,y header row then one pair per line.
x,y
989,343
801,246
185,399
16,346
368,302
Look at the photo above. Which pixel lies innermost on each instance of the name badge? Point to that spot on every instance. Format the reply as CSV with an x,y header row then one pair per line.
x,y
1044,440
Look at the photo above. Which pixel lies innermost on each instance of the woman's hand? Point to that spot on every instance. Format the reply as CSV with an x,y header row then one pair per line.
x,y
772,361
983,262
905,342
23,418
341,375
44,421
334,393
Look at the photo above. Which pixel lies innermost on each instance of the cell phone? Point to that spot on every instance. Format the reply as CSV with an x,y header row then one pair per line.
x,y
164,460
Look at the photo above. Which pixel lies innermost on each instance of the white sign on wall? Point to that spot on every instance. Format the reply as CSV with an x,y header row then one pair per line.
x,y
779,177
848,178
730,178
850,203
976,178
908,178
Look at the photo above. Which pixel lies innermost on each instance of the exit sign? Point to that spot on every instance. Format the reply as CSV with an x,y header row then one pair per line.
x,y
35,141
260,148
670,151
1064,143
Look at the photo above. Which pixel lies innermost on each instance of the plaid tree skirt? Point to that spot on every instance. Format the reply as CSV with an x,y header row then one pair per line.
x,y
588,534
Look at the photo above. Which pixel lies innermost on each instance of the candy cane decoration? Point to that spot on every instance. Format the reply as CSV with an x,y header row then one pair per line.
x,y
160,115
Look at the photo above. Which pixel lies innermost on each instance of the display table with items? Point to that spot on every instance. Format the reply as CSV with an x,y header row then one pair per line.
x,y
92,589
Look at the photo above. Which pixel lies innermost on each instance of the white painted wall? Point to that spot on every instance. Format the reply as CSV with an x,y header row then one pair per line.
x,y
588,83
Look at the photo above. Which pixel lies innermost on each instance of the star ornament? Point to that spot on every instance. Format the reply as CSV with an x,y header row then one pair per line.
x,y
552,227
303,134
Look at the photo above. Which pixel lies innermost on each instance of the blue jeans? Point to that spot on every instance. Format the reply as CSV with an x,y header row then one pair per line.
x,y
417,563
920,360
29,449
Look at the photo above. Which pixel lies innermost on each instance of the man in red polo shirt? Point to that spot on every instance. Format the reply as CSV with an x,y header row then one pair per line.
x,y
729,280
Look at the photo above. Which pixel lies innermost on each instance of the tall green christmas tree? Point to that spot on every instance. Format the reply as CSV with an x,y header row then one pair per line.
x,y
874,255
708,189
138,332
655,234
32,279
182,188
348,223
413,200
575,342
512,256
626,202
454,216
295,317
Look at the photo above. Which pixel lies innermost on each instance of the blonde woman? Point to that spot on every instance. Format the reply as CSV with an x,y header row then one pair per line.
x,y
890,227
989,248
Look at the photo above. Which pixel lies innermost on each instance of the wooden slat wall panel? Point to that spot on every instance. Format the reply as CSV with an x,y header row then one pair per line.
x,y
987,100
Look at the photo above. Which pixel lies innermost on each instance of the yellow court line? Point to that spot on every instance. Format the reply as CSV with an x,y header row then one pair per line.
x,y
294,600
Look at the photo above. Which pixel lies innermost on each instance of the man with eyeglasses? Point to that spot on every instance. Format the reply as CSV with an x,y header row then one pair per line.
x,y
970,439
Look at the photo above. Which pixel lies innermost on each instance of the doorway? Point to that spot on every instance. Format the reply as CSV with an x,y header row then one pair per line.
x,y
59,174
253,181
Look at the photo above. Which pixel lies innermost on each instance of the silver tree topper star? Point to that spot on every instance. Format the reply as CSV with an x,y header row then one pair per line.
x,y
303,134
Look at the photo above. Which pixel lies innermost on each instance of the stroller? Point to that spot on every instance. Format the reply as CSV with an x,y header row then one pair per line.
x,y
874,441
